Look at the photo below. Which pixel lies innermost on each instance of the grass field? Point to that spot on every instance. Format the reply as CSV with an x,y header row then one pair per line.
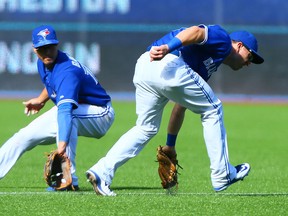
x,y
257,133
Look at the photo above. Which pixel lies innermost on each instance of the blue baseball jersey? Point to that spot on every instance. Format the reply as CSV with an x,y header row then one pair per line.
x,y
71,82
205,57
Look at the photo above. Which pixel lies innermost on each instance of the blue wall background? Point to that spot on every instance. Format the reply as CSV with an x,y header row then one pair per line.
x,y
109,36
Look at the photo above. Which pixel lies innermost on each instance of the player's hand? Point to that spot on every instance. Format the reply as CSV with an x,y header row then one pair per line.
x,y
62,148
158,52
33,106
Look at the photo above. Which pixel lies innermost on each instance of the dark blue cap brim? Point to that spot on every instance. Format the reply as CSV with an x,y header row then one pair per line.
x,y
257,59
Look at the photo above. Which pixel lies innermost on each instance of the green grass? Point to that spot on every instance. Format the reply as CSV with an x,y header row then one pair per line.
x,y
257,133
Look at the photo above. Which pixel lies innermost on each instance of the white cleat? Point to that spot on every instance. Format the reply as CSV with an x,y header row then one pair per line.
x,y
99,186
242,171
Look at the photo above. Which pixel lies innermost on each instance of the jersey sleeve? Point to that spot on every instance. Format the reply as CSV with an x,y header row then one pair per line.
x,y
64,119
218,38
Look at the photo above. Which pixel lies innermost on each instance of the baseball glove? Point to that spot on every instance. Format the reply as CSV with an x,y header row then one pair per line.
x,y
57,172
168,167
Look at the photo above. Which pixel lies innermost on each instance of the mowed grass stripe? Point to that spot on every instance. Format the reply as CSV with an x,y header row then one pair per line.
x,y
144,194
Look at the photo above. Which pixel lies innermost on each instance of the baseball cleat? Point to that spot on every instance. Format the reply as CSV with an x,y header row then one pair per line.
x,y
242,171
99,186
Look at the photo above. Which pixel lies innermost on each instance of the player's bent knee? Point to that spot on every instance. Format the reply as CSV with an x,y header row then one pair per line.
x,y
148,131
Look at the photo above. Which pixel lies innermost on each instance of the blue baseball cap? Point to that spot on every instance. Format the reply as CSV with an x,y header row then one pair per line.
x,y
250,42
44,35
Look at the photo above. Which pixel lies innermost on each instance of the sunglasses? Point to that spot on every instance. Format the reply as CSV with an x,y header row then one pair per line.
x,y
250,56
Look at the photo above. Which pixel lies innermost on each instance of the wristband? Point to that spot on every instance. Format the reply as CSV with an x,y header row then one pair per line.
x,y
171,140
174,44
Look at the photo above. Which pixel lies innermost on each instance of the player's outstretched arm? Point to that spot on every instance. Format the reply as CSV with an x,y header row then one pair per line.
x,y
34,105
191,35
176,119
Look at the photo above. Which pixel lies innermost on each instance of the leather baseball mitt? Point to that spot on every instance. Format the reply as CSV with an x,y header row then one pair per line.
x,y
168,167
57,172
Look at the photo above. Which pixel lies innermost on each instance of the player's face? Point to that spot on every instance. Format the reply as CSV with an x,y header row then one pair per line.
x,y
246,55
47,54
243,58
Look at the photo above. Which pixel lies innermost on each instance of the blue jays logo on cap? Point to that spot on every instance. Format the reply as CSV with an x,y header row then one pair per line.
x,y
44,35
250,42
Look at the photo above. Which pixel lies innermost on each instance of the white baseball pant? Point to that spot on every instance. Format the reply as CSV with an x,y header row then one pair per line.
x,y
156,83
88,121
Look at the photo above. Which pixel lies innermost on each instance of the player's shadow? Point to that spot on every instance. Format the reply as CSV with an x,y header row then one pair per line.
x,y
135,188
124,188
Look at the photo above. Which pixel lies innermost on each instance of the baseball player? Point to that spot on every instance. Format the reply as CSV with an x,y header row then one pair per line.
x,y
178,112
82,106
176,68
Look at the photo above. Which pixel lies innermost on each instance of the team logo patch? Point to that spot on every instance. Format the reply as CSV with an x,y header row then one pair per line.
x,y
44,33
53,95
